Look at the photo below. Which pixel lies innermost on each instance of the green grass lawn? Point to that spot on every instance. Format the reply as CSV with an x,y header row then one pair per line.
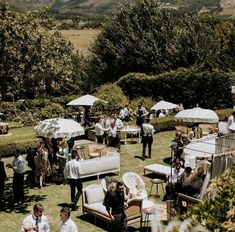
x,y
52,196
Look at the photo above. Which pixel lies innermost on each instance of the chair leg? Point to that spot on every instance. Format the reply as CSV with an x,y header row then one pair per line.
x,y
151,189
163,189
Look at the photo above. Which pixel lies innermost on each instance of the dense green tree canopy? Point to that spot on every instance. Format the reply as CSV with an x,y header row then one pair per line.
x,y
34,61
141,37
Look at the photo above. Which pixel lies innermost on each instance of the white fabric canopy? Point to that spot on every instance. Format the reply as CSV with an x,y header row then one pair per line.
x,y
204,147
163,105
85,100
59,128
197,115
232,126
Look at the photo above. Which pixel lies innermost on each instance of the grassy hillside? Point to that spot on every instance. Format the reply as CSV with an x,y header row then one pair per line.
x,y
104,7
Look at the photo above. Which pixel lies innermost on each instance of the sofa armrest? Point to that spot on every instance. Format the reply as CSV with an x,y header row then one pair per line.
x,y
134,208
185,201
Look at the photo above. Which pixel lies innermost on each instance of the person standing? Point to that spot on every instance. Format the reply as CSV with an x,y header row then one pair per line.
x,y
44,167
71,172
231,119
140,113
115,204
126,113
66,224
36,221
147,138
3,177
18,179
99,131
114,140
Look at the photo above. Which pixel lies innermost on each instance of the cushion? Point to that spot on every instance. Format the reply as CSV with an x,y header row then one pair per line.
x,y
97,207
94,195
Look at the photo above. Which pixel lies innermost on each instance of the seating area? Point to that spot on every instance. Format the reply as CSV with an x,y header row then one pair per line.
x,y
92,203
140,208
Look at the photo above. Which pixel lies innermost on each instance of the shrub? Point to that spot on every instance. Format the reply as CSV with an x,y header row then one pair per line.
x,y
217,212
8,149
113,95
188,86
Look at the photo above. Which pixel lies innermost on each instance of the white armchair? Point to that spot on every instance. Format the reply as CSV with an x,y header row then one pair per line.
x,y
135,185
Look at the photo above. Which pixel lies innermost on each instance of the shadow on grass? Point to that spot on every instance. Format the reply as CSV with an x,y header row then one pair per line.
x,y
138,157
167,160
9,206
155,176
62,205
104,225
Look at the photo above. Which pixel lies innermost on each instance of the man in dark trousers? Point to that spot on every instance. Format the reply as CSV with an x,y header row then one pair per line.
x,y
71,172
18,179
147,138
115,205
3,177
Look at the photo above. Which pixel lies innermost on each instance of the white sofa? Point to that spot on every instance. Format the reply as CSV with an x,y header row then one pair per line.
x,y
100,165
92,203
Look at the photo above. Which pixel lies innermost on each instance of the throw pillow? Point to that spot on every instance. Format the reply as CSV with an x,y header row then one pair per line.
x,y
94,195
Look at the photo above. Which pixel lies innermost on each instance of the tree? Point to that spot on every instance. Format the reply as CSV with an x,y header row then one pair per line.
x,y
113,95
34,61
141,37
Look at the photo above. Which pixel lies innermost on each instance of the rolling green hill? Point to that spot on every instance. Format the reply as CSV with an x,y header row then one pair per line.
x,y
104,7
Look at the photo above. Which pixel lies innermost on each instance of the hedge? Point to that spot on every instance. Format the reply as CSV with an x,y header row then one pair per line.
x,y
29,112
7,150
188,86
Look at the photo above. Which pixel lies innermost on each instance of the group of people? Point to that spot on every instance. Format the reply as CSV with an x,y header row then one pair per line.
x,y
40,223
184,181
41,168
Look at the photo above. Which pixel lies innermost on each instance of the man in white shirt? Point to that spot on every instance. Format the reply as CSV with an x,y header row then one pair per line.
x,y
126,113
71,172
66,224
18,179
117,122
147,138
99,131
36,221
121,114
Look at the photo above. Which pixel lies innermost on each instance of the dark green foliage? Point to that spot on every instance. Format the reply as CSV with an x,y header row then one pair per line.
x,y
8,149
35,63
215,211
191,87
141,37
30,112
113,95
164,124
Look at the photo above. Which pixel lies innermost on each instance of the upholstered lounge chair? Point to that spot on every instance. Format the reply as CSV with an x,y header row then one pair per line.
x,y
92,203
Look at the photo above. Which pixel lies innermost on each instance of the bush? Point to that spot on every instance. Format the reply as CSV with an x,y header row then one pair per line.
x,y
29,112
148,102
217,212
8,149
113,95
188,86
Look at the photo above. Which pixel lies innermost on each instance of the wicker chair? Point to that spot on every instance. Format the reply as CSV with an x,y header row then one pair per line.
x,y
135,185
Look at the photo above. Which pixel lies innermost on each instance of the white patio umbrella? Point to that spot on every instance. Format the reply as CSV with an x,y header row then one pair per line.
x,y
59,128
204,147
85,100
197,115
164,105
